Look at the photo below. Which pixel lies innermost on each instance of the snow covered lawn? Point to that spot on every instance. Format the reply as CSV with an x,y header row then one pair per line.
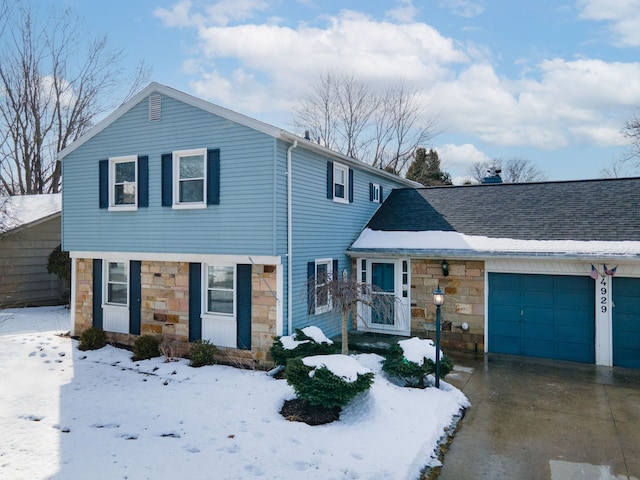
x,y
68,414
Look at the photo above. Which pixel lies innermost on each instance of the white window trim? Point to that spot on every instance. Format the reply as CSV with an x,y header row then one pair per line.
x,y
376,193
112,179
205,291
105,283
176,178
345,169
329,306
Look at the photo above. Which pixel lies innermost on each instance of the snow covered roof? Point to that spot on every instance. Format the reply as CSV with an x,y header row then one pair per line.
x,y
22,210
593,218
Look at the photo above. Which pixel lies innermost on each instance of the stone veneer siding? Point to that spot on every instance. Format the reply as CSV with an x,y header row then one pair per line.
x,y
165,309
463,302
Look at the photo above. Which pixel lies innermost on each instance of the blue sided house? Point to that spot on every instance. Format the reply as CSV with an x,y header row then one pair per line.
x,y
191,221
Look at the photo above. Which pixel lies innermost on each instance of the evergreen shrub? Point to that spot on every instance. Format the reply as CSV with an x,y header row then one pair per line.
x,y
146,347
324,389
92,338
412,374
309,347
202,353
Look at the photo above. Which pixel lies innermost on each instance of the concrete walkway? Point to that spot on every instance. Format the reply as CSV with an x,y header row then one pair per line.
x,y
540,419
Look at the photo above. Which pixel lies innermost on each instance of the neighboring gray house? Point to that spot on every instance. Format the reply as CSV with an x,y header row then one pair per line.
x,y
538,269
29,232
192,221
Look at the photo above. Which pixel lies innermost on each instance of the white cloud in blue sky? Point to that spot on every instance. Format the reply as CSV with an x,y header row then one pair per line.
x,y
552,82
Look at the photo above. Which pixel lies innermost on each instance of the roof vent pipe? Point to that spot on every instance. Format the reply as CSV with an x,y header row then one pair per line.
x,y
306,135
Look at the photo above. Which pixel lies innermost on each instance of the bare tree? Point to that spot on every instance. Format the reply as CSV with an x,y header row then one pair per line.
x,y
631,132
514,170
55,80
345,114
344,293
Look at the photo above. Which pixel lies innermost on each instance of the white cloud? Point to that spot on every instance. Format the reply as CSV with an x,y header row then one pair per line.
x,y
463,8
405,12
623,17
178,15
459,157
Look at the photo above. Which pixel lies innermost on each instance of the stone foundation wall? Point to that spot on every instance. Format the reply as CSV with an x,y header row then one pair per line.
x,y
463,302
165,309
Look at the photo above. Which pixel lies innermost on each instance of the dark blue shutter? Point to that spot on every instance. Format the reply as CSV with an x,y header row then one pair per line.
x,y
97,293
335,268
143,181
243,308
350,186
329,180
381,194
195,304
103,181
311,287
135,296
167,179
371,192
213,177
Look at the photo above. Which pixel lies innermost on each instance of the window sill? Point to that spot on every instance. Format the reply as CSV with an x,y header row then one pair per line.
x,y
123,208
340,200
189,206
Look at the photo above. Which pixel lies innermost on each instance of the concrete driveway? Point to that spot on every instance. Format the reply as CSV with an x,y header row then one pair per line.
x,y
541,419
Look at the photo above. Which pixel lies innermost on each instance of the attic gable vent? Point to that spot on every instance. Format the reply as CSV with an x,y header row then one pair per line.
x,y
154,107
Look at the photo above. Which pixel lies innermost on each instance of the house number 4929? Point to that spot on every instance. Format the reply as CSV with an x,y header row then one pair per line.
x,y
603,295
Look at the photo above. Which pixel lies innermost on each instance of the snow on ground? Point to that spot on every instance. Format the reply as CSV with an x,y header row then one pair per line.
x,y
68,414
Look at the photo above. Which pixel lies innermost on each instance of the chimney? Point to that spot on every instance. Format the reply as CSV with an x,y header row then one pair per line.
x,y
494,175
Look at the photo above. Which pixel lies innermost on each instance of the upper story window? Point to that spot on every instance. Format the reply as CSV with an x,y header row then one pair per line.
x,y
123,183
189,178
220,290
375,193
117,283
340,183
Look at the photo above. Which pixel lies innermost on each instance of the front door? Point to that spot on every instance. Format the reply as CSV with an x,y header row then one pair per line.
x,y
387,311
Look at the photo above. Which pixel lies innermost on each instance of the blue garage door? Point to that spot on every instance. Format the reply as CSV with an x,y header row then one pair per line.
x,y
549,316
626,322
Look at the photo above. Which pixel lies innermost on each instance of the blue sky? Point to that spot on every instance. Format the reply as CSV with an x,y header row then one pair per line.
x,y
550,81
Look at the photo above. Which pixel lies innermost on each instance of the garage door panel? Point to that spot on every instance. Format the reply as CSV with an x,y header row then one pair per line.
x,y
626,322
557,321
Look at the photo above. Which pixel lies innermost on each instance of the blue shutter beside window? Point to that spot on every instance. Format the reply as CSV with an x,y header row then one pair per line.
x,y
143,181
381,195
167,179
371,192
195,305
350,186
97,293
103,183
243,310
135,297
335,272
311,288
330,180
213,177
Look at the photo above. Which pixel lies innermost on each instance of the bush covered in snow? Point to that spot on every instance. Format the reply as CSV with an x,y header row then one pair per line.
x,y
202,352
93,338
327,381
305,342
409,362
146,347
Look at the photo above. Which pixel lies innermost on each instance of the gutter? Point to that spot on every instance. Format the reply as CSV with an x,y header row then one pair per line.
x,y
289,239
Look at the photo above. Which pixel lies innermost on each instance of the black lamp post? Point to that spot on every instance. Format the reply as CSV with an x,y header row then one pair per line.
x,y
438,300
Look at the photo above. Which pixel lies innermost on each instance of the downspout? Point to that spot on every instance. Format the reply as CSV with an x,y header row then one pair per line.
x,y
289,240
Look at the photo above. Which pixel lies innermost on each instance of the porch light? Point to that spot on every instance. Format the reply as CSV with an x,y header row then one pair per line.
x,y
445,268
438,301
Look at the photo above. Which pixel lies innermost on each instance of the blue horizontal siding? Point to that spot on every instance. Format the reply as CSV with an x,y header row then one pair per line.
x,y
242,223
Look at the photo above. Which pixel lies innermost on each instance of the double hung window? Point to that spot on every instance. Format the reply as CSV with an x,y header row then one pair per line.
x,y
220,290
117,283
123,181
340,183
323,275
190,177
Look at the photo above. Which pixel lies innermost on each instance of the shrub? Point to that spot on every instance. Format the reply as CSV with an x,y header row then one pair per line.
x,y
409,373
92,338
59,263
306,346
145,347
323,388
202,353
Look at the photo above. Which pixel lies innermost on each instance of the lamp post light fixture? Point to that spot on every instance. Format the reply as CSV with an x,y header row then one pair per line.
x,y
438,301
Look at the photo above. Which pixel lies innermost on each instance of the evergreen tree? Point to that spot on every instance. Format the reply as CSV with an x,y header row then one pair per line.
x,y
425,169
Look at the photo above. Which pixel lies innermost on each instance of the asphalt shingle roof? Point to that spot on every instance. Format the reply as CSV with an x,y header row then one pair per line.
x,y
584,210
